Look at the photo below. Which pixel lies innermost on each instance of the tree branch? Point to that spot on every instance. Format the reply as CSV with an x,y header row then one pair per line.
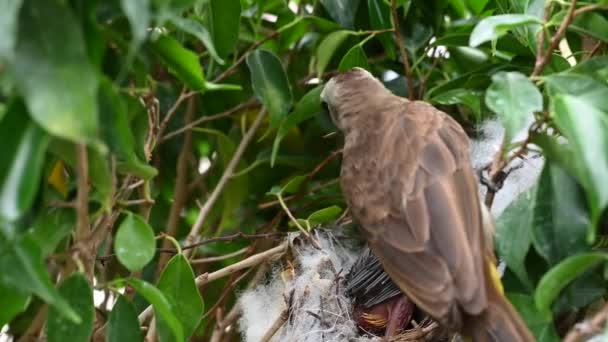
x,y
402,52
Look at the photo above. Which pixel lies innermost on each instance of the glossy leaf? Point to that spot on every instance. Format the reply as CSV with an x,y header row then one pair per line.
x,y
78,292
542,327
514,98
587,136
325,215
183,63
196,29
355,57
328,47
380,18
9,13
162,307
592,24
294,185
583,86
560,217
270,84
21,163
59,85
469,98
342,11
308,106
122,323
135,244
138,13
13,303
23,269
551,284
117,132
177,284
494,27
51,227
224,18
514,236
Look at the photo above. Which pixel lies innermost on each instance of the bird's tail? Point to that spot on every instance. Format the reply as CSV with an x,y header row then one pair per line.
x,y
500,322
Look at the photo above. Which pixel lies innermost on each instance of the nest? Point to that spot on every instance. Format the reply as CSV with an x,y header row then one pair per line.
x,y
304,298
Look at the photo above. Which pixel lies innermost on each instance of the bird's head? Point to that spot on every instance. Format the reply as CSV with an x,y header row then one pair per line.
x,y
345,93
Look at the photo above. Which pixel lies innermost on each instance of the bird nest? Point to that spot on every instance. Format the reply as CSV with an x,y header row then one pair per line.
x,y
304,297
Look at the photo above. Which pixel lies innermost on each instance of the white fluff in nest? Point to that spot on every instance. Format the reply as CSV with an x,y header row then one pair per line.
x,y
320,309
524,172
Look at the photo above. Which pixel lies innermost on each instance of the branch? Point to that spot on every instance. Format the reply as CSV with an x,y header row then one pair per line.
x,y
546,57
593,326
182,97
193,235
402,52
205,278
241,106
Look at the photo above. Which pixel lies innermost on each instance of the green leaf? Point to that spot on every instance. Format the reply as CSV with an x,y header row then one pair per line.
x,y
551,284
183,63
13,302
270,84
380,18
223,17
51,226
196,29
328,47
325,215
514,98
138,13
9,12
582,86
308,106
592,24
355,57
118,134
53,71
21,162
177,284
494,27
560,217
135,244
542,327
342,11
586,128
469,98
78,292
23,269
123,324
476,6
513,234
161,305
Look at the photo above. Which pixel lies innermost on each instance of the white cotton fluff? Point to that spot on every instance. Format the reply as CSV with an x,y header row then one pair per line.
x,y
320,309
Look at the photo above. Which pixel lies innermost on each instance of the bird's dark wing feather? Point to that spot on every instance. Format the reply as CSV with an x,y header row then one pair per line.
x,y
367,283
431,240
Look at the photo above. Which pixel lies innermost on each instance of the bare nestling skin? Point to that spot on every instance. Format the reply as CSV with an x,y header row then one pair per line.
x,y
408,180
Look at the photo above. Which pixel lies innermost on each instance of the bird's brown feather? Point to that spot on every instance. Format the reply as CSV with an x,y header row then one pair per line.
x,y
423,182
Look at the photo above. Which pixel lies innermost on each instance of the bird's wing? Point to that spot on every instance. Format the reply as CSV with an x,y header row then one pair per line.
x,y
430,242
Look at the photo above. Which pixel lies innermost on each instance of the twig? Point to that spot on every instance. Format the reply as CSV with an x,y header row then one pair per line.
x,y
205,278
587,328
554,42
241,106
183,96
180,189
273,203
192,236
402,52
226,291
219,258
323,163
276,326
83,225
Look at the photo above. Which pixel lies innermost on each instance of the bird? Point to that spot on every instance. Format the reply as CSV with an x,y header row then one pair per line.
x,y
379,305
408,181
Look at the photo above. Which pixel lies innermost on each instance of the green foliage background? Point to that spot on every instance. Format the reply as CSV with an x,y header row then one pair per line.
x,y
133,126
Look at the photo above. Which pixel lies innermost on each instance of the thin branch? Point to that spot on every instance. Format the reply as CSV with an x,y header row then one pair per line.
x,y
273,203
276,326
83,224
219,258
241,106
554,42
593,326
205,278
238,154
402,52
183,96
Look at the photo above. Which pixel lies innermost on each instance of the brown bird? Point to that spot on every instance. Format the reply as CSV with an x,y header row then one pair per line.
x,y
408,180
